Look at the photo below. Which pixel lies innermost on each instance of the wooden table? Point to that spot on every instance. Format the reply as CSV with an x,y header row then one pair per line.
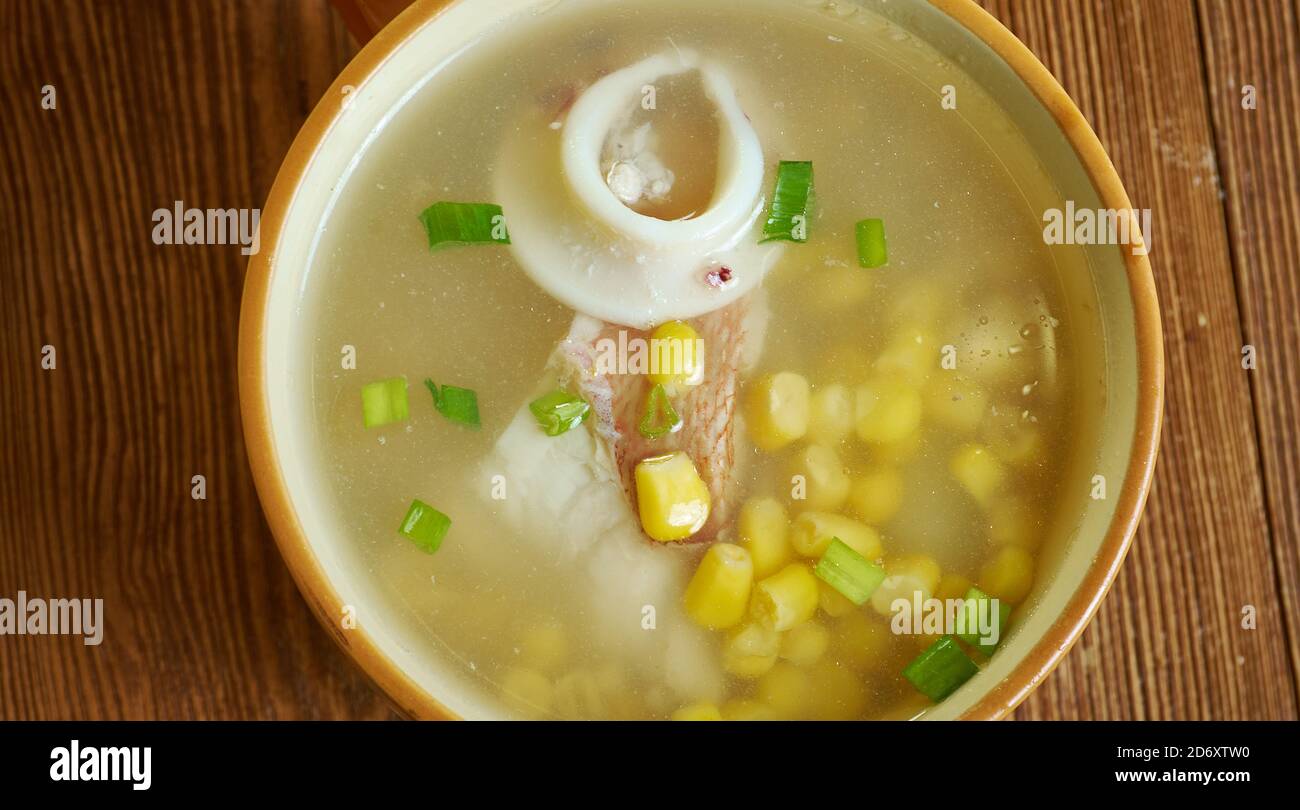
x,y
198,101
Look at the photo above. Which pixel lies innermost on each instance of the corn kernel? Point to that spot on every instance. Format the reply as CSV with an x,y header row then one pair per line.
x,y
778,410
976,469
763,530
825,483
1009,575
877,495
787,598
955,404
544,646
750,650
527,691
678,354
811,533
862,641
952,586
786,689
905,576
803,645
830,419
718,594
698,711
911,355
886,411
740,710
671,498
832,602
840,693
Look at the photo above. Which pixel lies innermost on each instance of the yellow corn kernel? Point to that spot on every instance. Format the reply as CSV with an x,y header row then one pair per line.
x,y
671,498
763,530
976,469
811,533
905,576
954,403
823,484
911,355
787,598
952,586
832,602
1012,523
746,710
786,689
1009,575
544,646
750,650
678,354
718,594
877,495
886,411
698,711
527,691
803,645
862,641
1013,438
778,410
840,693
830,419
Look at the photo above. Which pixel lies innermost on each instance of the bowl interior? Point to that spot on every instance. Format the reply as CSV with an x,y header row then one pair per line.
x,y
413,52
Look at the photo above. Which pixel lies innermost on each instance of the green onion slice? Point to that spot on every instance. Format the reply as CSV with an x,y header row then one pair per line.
x,y
968,620
457,404
384,402
787,218
849,572
452,223
659,418
937,672
559,411
871,243
425,526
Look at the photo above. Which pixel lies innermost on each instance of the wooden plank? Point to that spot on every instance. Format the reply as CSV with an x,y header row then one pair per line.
x,y
156,102
1167,643
1258,44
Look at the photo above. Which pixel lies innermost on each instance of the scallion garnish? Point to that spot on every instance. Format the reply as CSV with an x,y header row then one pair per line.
x,y
659,418
971,609
452,223
559,411
937,672
457,404
871,243
787,217
384,402
425,526
849,572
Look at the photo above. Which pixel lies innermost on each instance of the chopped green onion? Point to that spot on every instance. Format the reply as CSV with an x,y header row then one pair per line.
x,y
457,404
384,402
451,223
425,526
657,405
848,572
937,672
559,411
871,243
969,626
787,217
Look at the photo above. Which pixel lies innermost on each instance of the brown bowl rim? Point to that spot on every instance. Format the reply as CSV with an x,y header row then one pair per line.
x,y
414,701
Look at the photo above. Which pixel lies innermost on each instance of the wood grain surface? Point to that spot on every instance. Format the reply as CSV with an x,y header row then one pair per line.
x,y
198,101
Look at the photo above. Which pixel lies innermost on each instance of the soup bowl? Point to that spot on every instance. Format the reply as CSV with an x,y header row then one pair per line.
x,y
1109,484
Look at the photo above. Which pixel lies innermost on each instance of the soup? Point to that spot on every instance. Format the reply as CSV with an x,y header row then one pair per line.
x,y
700,361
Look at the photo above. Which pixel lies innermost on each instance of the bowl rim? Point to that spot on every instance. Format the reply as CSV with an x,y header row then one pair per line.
x,y
413,700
